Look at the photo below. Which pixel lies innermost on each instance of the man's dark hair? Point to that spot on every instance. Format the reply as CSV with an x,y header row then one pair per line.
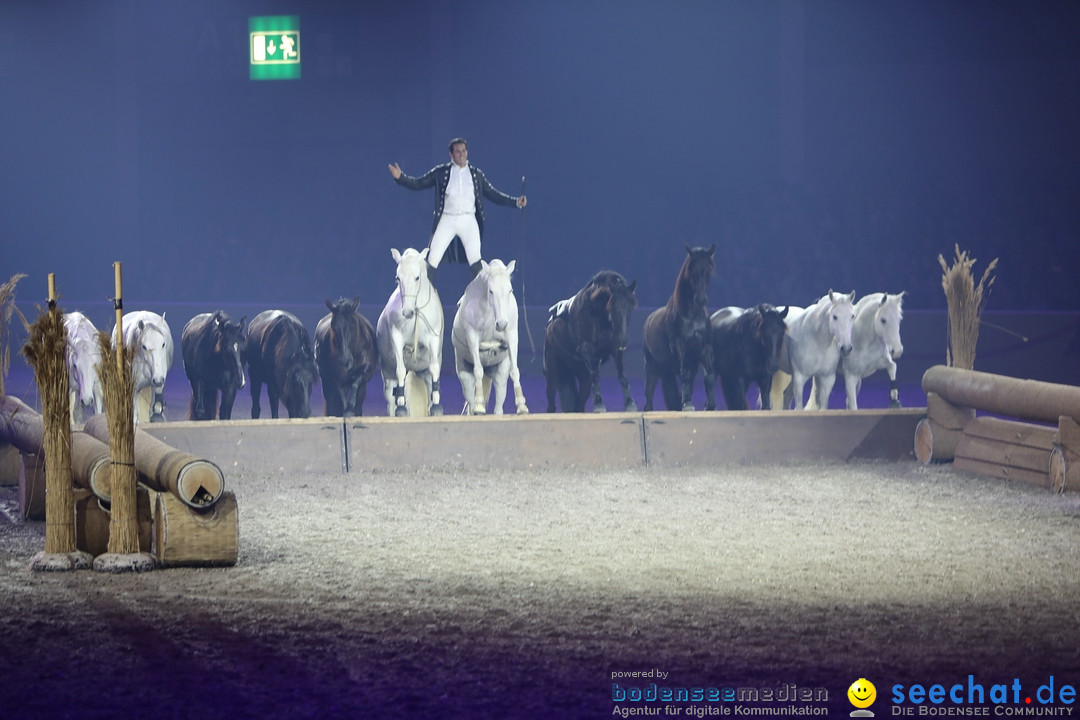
x,y
456,141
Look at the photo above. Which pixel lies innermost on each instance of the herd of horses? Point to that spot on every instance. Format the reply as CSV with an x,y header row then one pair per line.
x,y
777,348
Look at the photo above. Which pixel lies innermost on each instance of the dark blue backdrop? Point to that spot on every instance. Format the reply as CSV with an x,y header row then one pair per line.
x,y
819,144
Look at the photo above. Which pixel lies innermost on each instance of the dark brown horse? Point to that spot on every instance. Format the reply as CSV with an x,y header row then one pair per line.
x,y
746,348
677,337
279,354
347,356
581,335
213,347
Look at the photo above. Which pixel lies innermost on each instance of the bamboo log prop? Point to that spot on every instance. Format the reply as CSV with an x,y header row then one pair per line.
x,y
184,536
934,442
1007,449
93,517
1065,457
24,429
196,482
936,435
1002,395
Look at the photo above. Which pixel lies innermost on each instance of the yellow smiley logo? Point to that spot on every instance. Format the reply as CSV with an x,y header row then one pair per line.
x,y
862,693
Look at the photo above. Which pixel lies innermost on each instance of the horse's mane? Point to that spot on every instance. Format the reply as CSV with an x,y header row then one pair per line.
x,y
683,281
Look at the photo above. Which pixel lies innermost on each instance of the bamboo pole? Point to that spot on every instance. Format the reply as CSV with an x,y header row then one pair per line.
x,y
123,549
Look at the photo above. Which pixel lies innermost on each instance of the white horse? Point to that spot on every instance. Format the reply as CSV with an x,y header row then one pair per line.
x,y
815,341
83,359
485,337
410,334
875,345
152,340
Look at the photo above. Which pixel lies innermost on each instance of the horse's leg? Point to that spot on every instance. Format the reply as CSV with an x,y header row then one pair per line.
x,y
733,388
620,372
851,388
228,396
894,387
764,383
551,385
468,383
598,399
256,391
499,381
812,402
434,394
272,398
709,378
389,385
479,402
515,372
798,385
779,384
397,397
825,386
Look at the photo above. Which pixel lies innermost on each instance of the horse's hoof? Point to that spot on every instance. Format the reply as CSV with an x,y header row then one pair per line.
x,y
436,410
401,411
599,408
479,410
157,418
631,406
688,407
522,410
894,404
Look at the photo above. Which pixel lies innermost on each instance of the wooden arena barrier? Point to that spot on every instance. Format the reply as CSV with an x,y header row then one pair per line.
x,y
196,482
1027,447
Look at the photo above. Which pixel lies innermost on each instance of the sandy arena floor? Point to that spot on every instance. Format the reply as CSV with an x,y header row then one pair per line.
x,y
519,595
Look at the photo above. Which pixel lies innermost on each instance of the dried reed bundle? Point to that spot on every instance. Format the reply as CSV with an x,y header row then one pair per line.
x,y
119,391
7,311
966,302
46,351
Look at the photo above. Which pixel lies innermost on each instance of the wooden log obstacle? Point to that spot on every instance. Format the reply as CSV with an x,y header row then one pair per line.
x,y
1001,426
185,517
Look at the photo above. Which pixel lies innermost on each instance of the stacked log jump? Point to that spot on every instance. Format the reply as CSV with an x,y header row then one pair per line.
x,y
1001,426
185,515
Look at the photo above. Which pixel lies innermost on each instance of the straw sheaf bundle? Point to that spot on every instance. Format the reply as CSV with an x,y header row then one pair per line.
x,y
7,311
119,392
46,351
966,302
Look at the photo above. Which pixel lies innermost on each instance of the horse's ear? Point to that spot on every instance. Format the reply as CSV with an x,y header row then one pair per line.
x,y
783,313
632,286
884,299
712,249
851,296
424,253
689,250
510,267
396,255
329,304
355,302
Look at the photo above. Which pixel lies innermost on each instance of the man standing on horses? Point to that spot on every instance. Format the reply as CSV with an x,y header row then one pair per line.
x,y
460,190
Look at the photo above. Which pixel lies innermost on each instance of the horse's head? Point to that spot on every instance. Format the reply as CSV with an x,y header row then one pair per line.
x,y
500,291
614,301
887,319
770,334
841,319
230,344
300,377
344,328
696,272
155,347
84,357
412,277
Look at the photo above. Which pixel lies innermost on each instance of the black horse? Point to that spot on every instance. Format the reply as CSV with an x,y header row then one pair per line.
x,y
581,335
746,348
677,337
347,356
280,356
213,347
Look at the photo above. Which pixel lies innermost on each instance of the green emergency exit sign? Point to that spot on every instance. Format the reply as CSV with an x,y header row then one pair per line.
x,y
274,45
